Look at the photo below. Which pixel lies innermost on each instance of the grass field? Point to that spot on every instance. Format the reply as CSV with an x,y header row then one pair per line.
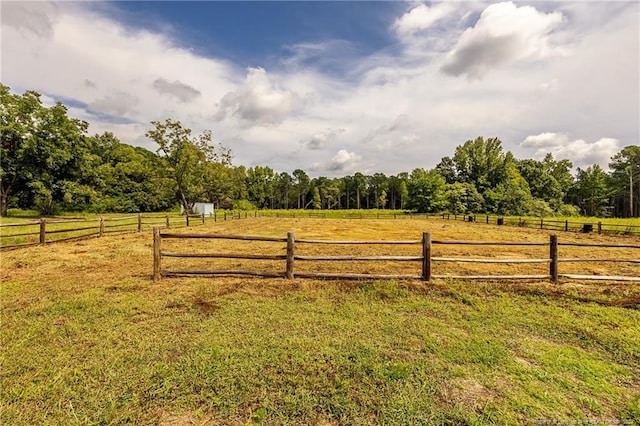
x,y
88,338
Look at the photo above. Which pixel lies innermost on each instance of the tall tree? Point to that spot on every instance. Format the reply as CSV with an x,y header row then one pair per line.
x,y
625,180
591,191
187,158
129,179
360,183
480,162
44,156
301,182
426,190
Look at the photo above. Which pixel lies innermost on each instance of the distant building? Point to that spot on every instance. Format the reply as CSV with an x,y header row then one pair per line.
x,y
199,208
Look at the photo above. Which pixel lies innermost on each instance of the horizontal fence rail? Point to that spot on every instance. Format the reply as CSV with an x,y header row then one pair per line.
x,y
425,258
549,224
53,230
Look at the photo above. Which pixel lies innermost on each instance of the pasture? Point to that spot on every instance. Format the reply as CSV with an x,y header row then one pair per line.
x,y
88,338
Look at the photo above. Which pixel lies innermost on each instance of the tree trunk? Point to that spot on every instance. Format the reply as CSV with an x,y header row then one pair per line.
x,y
3,203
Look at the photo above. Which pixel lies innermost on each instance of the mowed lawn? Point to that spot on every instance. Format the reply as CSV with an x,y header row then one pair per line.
x,y
88,338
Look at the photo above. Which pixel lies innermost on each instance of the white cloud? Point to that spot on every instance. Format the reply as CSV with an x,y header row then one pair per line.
x,y
30,18
343,162
504,33
580,152
258,102
117,104
321,140
421,17
179,90
399,109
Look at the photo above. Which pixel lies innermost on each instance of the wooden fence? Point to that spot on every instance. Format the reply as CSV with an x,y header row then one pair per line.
x,y
424,257
550,224
47,230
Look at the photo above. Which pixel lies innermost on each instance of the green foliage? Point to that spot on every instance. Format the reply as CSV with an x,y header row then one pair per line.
x,y
590,191
316,198
426,191
463,198
243,205
44,154
568,210
187,158
539,208
480,162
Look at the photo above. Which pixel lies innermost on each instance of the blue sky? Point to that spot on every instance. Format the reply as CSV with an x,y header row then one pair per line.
x,y
340,87
258,33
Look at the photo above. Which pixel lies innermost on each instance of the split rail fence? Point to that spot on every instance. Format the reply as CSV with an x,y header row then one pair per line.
x,y
549,224
424,257
47,230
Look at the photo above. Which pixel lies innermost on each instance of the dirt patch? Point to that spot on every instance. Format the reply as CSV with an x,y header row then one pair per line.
x,y
185,419
469,393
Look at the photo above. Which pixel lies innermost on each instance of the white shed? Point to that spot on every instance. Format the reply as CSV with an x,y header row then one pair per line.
x,y
199,208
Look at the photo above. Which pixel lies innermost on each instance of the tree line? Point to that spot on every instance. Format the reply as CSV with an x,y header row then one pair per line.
x,y
49,163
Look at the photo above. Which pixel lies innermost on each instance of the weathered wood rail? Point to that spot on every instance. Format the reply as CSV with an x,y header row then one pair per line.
x,y
54,230
550,224
425,258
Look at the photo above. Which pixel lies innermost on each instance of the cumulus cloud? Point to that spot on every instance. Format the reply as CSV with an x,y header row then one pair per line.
x,y
181,91
344,162
392,135
321,140
118,103
580,152
504,33
33,18
421,17
258,101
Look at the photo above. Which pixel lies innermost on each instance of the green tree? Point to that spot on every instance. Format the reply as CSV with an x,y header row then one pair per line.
x,y
480,162
625,181
463,198
317,202
129,179
187,158
301,183
44,156
591,191
510,197
260,186
426,191
360,184
447,169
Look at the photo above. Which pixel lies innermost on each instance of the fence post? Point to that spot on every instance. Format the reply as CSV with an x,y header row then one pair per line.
x,y
167,220
225,216
43,230
487,219
566,225
101,226
139,222
156,253
541,223
187,218
426,256
203,218
553,256
599,227
290,254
